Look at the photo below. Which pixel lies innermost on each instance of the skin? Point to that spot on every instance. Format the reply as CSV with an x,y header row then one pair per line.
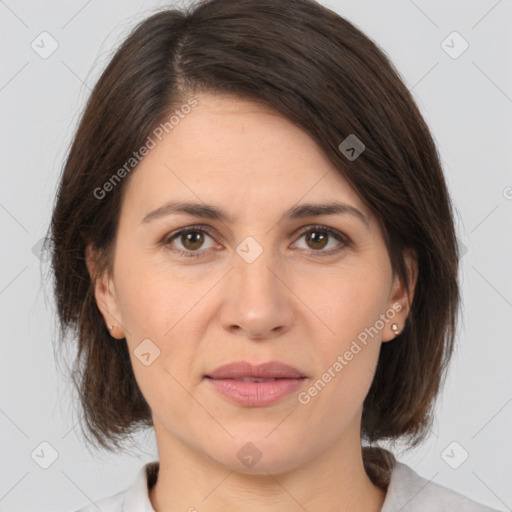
x,y
291,304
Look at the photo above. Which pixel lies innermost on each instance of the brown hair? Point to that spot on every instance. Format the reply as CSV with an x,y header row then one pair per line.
x,y
318,70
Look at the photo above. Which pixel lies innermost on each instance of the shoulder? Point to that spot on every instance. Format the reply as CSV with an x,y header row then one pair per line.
x,y
113,503
133,499
409,492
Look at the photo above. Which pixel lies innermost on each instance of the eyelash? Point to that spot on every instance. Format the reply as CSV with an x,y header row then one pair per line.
x,y
205,229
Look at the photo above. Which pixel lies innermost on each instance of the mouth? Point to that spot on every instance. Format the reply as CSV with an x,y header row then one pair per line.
x,y
251,379
256,386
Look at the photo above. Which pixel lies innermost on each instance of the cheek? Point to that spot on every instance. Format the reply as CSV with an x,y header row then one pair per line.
x,y
151,297
346,360
347,345
161,306
347,301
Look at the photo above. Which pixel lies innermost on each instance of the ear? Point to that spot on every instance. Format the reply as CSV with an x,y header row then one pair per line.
x,y
104,293
399,299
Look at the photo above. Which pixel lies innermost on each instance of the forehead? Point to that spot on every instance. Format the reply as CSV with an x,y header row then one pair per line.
x,y
239,153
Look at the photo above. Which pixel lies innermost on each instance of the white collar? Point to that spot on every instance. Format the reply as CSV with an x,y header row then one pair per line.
x,y
137,496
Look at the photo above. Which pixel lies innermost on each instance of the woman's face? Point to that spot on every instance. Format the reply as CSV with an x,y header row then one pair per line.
x,y
314,291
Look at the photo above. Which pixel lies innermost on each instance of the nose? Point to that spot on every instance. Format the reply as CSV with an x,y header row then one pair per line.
x,y
258,302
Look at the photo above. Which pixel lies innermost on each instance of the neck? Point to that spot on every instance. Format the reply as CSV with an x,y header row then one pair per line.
x,y
333,480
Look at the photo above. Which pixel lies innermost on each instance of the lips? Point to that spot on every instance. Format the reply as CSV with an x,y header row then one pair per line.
x,y
255,386
247,372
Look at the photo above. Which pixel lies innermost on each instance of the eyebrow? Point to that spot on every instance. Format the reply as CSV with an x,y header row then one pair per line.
x,y
297,212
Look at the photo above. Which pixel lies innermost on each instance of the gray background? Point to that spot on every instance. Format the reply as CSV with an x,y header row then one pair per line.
x,y
467,101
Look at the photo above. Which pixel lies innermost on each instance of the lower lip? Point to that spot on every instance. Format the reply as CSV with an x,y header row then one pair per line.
x,y
256,394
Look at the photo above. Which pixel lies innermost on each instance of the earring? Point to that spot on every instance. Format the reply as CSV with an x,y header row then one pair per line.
x,y
110,327
395,328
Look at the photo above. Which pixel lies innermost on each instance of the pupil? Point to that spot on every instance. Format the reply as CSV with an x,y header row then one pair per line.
x,y
193,240
317,237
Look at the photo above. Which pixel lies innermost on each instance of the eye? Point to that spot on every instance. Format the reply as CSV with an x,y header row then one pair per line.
x,y
193,241
189,240
319,238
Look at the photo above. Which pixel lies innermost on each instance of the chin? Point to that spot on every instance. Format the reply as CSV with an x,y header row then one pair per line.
x,y
260,455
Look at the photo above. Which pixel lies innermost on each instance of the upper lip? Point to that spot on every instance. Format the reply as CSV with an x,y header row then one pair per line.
x,y
240,369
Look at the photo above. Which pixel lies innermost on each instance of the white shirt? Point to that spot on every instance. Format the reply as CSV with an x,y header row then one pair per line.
x,y
406,492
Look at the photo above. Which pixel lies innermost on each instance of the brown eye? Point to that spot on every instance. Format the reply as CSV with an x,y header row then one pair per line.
x,y
189,241
317,239
192,240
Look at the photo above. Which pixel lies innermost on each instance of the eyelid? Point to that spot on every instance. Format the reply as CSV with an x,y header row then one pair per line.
x,y
338,235
195,227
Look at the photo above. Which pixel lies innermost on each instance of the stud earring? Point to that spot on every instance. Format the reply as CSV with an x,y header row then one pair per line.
x,y
110,327
395,328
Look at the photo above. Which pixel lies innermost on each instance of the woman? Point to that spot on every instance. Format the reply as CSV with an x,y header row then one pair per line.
x,y
254,244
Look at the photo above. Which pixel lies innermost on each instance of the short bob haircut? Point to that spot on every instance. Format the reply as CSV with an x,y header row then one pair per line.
x,y
322,73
